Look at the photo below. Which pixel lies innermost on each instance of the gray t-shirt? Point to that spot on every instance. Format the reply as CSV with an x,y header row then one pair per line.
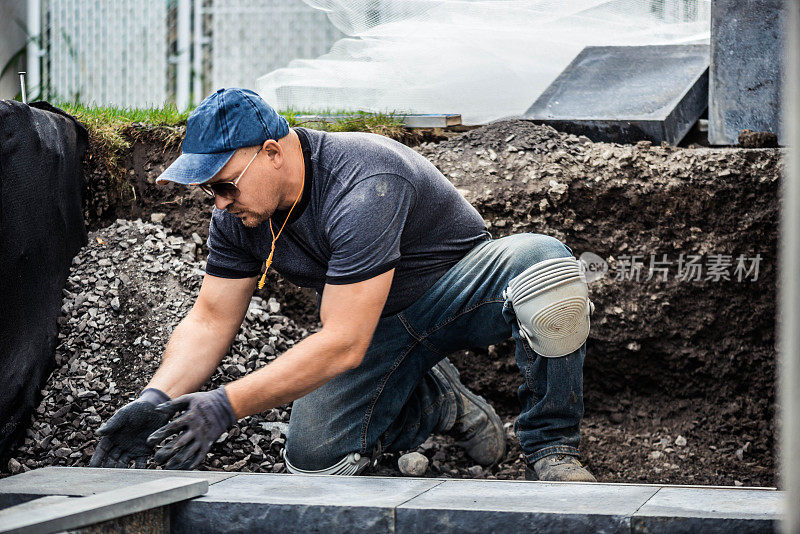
x,y
369,204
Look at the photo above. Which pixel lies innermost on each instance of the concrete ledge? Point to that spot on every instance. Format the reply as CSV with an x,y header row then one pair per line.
x,y
709,510
294,503
63,513
83,481
297,503
475,505
624,94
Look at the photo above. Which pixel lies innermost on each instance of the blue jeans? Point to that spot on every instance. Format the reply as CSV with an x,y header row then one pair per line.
x,y
393,397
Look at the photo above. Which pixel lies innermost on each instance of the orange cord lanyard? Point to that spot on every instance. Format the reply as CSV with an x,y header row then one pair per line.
x,y
275,237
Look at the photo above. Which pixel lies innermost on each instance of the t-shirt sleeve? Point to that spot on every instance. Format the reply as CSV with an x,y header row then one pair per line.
x,y
365,226
228,255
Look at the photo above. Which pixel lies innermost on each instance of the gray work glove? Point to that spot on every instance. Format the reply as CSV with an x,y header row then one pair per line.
x,y
125,434
207,414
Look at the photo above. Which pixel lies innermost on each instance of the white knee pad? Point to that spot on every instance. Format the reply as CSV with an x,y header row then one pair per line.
x,y
551,302
352,464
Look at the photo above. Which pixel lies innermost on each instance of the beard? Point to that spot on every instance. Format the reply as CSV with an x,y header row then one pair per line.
x,y
250,218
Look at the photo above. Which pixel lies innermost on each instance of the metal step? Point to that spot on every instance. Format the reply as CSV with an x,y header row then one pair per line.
x,y
428,120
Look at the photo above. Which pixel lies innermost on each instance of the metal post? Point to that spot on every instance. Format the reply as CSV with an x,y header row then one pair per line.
x,y
33,52
184,54
197,59
789,311
22,89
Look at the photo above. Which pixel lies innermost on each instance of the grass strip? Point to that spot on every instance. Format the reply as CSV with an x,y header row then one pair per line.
x,y
112,130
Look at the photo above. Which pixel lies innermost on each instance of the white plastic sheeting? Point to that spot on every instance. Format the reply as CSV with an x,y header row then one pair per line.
x,y
251,37
484,59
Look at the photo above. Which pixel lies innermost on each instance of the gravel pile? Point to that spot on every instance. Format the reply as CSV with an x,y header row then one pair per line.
x,y
502,136
127,291
520,158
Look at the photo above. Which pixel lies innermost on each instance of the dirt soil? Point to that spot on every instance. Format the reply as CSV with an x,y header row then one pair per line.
x,y
679,375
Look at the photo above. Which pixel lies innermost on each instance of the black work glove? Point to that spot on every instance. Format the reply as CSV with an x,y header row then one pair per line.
x,y
207,415
125,434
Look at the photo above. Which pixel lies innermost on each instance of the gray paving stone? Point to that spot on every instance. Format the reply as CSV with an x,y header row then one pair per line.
x,y
69,513
502,506
152,521
625,94
298,503
246,502
13,499
82,481
710,510
746,68
32,505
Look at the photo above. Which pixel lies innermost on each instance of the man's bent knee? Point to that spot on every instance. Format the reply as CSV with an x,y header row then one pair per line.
x,y
542,247
551,302
520,251
318,441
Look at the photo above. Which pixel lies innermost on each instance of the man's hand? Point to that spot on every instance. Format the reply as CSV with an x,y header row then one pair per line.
x,y
207,415
125,434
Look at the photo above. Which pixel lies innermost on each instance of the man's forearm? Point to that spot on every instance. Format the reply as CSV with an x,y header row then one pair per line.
x,y
303,368
193,352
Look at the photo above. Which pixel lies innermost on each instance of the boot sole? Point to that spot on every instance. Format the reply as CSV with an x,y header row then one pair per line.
x,y
454,378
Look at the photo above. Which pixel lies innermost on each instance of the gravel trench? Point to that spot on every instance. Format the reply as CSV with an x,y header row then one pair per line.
x,y
679,378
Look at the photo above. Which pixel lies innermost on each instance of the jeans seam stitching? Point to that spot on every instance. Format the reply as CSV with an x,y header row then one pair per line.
x,y
460,314
424,343
370,410
421,338
413,333
530,359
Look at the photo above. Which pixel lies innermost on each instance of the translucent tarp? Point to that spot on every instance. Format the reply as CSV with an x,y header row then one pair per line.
x,y
484,59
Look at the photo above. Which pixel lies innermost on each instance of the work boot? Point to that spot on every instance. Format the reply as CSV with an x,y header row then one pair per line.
x,y
476,426
558,468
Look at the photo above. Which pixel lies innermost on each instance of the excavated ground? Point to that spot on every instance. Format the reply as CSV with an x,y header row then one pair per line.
x,y
679,375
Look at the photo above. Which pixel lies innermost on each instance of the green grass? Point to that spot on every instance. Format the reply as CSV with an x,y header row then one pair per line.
x,y
111,130
119,117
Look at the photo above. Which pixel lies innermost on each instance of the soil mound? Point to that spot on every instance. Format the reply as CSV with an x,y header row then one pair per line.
x,y
680,369
674,351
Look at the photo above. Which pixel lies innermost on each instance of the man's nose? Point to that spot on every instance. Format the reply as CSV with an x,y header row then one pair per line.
x,y
222,202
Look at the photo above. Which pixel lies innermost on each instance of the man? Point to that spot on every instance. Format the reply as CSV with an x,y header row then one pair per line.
x,y
406,272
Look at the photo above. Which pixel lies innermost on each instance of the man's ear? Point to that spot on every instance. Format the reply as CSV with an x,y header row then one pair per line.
x,y
271,147
273,151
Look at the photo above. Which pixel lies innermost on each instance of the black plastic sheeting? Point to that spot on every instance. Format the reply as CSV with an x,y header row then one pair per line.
x,y
41,230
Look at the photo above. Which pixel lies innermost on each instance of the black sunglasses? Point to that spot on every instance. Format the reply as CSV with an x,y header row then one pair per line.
x,y
220,189
226,189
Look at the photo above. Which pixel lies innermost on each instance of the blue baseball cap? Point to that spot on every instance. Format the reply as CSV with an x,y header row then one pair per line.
x,y
225,121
